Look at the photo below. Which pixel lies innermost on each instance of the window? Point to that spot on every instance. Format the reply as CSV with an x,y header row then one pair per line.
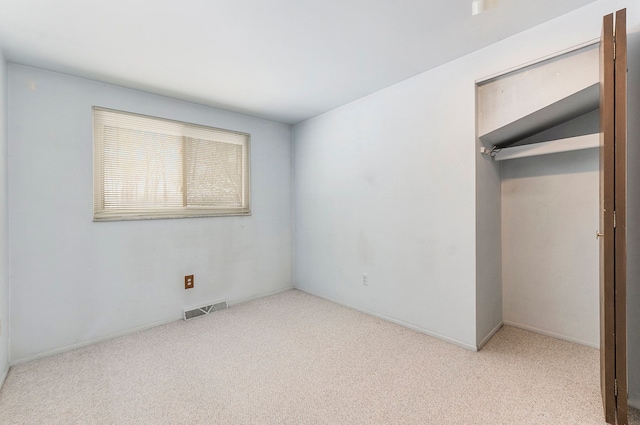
x,y
146,167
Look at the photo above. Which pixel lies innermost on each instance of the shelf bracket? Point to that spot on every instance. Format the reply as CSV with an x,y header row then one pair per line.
x,y
490,152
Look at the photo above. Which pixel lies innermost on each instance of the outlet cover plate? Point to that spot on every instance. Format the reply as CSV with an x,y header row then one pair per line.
x,y
188,282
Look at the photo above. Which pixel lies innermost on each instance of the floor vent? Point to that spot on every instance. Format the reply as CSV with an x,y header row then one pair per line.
x,y
201,311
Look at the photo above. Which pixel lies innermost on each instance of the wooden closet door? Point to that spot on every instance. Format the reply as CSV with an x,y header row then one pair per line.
x,y
612,232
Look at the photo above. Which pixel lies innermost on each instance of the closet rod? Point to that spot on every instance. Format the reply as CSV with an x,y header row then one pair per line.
x,y
543,148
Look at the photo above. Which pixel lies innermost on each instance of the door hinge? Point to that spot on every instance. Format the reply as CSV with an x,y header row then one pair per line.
x,y
614,219
615,387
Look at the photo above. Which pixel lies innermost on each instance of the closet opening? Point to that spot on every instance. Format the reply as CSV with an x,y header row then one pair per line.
x,y
538,198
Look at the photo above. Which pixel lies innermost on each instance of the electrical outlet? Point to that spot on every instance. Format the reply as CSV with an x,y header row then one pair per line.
x,y
365,279
188,282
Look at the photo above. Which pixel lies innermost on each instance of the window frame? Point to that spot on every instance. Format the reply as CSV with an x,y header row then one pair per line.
x,y
100,213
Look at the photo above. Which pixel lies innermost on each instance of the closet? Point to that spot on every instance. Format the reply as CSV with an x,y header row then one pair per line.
x,y
540,220
539,125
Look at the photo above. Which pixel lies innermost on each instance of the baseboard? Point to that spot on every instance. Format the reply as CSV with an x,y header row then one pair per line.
x,y
3,376
92,341
551,334
634,403
489,336
394,320
258,296
137,329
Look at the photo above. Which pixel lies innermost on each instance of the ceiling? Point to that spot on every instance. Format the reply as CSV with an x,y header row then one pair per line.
x,y
285,60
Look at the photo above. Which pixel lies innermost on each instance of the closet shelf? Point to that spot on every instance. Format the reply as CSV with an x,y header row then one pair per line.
x,y
568,108
555,146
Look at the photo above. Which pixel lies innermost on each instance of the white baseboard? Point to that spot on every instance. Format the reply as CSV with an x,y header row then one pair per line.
x,y
634,403
551,334
137,329
258,296
3,376
72,347
489,336
394,320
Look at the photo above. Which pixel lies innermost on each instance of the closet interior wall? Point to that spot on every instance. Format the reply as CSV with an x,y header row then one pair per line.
x,y
550,255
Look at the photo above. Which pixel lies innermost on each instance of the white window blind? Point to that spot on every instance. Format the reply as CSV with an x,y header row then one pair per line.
x,y
146,167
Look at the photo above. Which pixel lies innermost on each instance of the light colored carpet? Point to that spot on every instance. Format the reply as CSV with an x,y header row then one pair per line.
x,y
293,358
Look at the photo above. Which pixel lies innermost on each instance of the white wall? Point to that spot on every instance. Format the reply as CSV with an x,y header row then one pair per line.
x,y
74,281
386,185
550,255
4,253
375,194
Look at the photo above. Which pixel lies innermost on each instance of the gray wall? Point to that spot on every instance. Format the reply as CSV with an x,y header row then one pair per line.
x,y
633,222
550,254
74,281
373,196
4,252
488,247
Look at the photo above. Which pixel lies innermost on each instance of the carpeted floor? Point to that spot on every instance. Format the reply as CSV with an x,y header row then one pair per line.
x,y
293,358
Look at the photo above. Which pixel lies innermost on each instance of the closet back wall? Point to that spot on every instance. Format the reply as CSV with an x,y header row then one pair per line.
x,y
550,255
74,281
